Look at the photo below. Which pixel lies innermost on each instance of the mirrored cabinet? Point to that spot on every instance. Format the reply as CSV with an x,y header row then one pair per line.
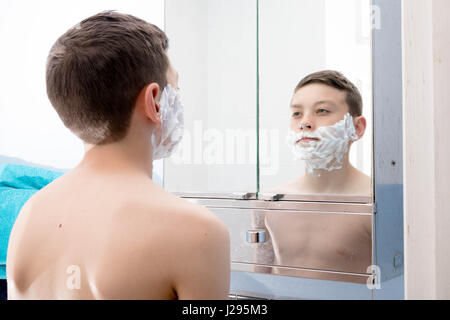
x,y
284,160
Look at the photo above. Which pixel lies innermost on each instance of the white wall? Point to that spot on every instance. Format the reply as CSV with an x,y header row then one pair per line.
x,y
29,127
426,95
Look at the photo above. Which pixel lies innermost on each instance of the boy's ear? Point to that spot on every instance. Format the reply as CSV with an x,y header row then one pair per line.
x,y
360,126
151,107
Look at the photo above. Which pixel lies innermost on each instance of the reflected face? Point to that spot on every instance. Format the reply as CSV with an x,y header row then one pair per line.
x,y
316,105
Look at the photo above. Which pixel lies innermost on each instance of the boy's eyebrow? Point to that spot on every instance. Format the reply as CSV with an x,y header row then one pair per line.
x,y
325,102
300,106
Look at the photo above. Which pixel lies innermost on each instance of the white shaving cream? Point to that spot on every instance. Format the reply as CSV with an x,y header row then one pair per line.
x,y
167,136
328,152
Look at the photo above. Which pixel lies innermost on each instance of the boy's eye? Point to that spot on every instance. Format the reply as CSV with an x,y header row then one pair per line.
x,y
296,114
322,111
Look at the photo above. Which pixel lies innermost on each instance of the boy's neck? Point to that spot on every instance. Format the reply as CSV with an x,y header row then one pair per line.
x,y
328,182
128,155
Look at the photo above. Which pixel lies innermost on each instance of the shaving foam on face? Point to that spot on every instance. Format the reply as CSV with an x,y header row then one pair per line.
x,y
167,136
329,151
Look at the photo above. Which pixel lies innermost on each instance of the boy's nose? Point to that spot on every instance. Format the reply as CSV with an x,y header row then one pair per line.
x,y
305,127
306,124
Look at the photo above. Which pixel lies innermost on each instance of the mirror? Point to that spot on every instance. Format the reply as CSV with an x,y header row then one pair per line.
x,y
243,109
315,107
321,134
212,43
241,66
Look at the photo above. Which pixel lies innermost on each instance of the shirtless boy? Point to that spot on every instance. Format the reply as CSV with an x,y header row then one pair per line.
x,y
105,230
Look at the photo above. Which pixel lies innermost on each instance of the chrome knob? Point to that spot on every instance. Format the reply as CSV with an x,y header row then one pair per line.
x,y
256,236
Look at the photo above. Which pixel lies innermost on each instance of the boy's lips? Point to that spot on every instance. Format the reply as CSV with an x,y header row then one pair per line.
x,y
307,139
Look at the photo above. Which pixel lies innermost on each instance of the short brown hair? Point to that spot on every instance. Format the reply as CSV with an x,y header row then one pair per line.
x,y
337,80
96,70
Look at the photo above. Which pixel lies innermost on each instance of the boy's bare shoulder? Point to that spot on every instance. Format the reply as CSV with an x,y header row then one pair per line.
x,y
180,209
361,184
185,230
149,207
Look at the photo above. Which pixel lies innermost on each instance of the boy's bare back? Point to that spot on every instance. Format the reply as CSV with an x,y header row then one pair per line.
x,y
103,235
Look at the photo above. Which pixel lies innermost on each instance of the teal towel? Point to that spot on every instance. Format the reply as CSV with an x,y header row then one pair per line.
x,y
17,184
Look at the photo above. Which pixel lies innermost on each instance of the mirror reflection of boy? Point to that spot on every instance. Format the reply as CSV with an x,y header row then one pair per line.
x,y
326,118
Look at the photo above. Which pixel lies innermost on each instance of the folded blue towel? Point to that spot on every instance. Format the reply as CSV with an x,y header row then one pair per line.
x,y
17,184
